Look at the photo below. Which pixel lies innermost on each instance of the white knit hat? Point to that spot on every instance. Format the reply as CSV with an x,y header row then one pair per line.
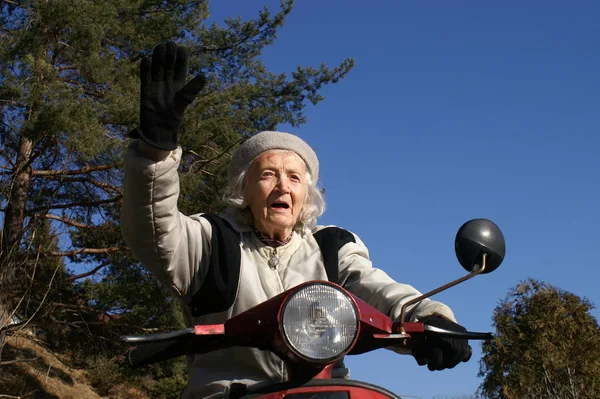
x,y
265,141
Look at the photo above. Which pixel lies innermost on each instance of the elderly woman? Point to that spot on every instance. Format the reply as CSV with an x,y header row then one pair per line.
x,y
267,242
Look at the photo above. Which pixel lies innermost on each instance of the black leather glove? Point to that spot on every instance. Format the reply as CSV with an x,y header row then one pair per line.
x,y
164,95
442,353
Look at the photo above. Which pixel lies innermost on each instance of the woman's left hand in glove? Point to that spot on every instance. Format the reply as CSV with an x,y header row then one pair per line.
x,y
440,353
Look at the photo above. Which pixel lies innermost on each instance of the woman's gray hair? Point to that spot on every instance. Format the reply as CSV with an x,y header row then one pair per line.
x,y
314,203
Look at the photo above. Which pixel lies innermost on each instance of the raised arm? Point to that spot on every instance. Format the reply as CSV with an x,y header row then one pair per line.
x,y
170,244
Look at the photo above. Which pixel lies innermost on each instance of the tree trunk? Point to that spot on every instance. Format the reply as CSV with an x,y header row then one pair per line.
x,y
12,232
15,209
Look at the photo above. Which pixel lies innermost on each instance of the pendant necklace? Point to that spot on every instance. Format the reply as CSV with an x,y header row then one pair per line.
x,y
273,260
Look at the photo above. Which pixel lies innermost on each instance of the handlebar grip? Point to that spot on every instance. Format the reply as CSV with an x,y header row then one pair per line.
x,y
457,334
154,348
157,337
151,352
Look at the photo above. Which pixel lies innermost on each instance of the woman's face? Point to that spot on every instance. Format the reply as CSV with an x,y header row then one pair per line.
x,y
275,191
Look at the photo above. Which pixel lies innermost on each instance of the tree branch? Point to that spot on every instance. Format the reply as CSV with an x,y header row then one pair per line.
x,y
243,39
67,67
166,10
83,170
66,221
85,251
188,4
571,387
208,161
42,148
101,185
42,301
93,271
87,90
73,204
6,363
75,307
3,395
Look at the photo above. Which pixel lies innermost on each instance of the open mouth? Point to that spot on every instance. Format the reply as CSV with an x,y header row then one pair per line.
x,y
280,205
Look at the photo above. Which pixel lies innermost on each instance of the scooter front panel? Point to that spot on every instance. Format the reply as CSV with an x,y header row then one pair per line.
x,y
324,389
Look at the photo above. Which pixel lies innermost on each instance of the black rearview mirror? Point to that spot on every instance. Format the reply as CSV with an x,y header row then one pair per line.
x,y
479,247
476,238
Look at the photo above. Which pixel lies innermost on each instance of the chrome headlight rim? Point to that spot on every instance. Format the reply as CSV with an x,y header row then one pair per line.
x,y
290,346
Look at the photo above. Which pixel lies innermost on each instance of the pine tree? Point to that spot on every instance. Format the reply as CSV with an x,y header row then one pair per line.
x,y
547,345
69,94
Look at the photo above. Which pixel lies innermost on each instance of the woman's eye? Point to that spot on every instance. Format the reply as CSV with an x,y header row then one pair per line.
x,y
268,174
295,178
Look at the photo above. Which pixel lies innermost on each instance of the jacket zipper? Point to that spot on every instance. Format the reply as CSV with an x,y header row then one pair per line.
x,y
273,262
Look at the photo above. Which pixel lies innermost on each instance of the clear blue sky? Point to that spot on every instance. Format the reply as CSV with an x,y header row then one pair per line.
x,y
455,110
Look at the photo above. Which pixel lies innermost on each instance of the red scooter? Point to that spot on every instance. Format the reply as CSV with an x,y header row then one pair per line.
x,y
314,325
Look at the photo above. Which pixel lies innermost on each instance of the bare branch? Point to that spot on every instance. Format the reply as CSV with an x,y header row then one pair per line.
x,y
66,45
202,164
6,363
85,251
73,205
572,390
75,307
99,184
66,221
87,90
79,323
67,67
3,395
42,301
93,271
86,169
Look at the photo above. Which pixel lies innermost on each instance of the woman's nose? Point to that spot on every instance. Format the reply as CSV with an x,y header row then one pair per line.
x,y
283,184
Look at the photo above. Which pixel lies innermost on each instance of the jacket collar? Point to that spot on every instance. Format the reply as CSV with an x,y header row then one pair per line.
x,y
231,216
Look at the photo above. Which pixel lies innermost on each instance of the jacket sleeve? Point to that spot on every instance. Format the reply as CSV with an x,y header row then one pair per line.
x,y
378,289
174,247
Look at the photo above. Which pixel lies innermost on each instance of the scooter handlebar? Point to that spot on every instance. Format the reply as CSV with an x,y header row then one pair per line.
x,y
431,330
154,348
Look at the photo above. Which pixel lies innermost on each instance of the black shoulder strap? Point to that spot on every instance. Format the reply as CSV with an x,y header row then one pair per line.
x,y
219,287
330,240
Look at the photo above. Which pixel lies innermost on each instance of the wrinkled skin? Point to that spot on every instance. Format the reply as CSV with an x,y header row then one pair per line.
x,y
275,190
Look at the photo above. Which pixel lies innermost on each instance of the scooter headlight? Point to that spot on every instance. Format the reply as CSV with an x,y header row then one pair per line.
x,y
319,322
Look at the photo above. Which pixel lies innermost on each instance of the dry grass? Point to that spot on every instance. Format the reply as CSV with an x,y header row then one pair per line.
x,y
31,371
34,372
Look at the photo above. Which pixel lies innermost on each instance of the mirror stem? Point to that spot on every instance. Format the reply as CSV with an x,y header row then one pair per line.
x,y
476,270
